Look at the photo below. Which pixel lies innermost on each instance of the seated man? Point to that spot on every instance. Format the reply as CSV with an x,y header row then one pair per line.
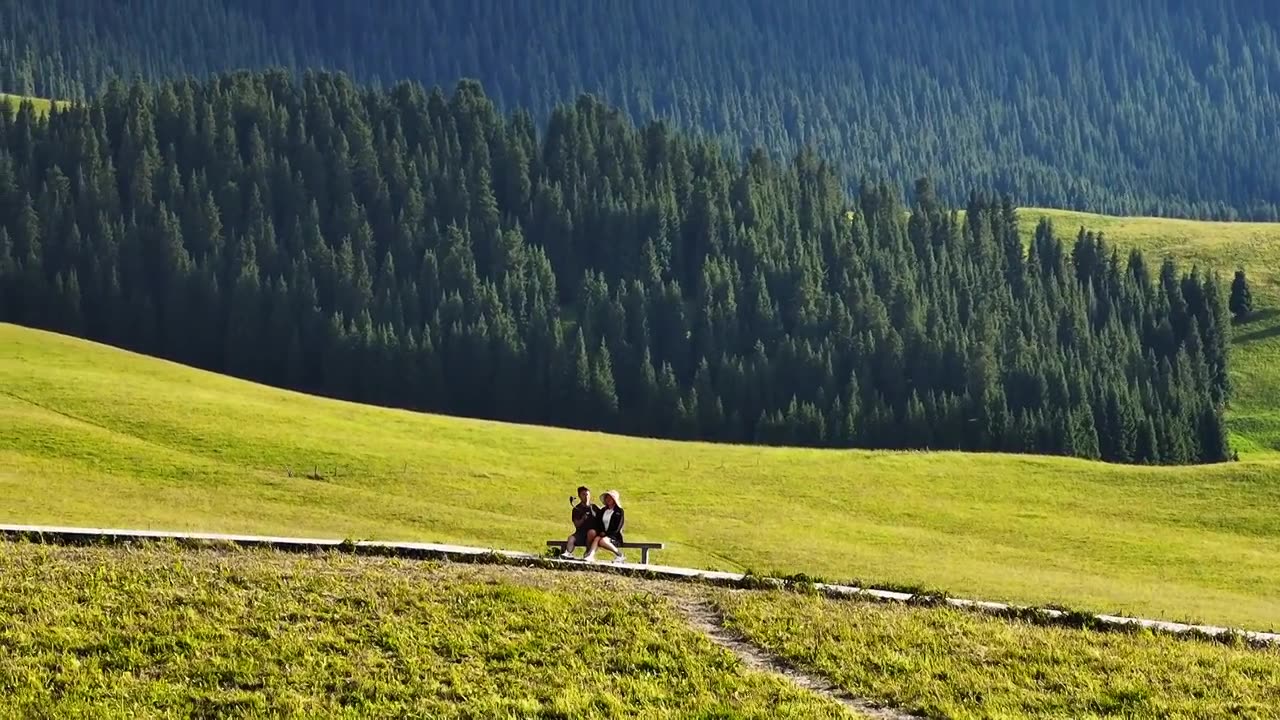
x,y
584,523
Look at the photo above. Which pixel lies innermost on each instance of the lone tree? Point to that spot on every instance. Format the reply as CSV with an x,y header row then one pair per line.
x,y
1241,303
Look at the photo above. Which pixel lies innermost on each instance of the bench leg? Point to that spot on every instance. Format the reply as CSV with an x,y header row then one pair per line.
x,y
644,556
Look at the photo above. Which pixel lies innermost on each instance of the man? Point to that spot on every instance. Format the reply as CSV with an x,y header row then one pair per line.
x,y
584,523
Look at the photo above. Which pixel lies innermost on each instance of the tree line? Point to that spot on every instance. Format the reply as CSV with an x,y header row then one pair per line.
x,y
418,249
1162,107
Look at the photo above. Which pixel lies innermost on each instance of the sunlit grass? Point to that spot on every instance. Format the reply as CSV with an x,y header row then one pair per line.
x,y
42,105
948,663
161,632
99,437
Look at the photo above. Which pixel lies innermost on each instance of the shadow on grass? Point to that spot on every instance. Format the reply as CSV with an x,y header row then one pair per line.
x,y
1259,326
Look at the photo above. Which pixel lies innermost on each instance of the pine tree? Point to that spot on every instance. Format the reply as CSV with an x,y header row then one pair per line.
x,y
68,317
1212,435
1241,302
582,383
244,324
1084,434
604,396
9,298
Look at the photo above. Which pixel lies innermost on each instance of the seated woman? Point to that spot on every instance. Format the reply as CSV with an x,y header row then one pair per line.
x,y
609,524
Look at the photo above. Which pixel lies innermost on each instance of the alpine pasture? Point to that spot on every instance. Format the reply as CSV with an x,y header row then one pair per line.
x,y
119,440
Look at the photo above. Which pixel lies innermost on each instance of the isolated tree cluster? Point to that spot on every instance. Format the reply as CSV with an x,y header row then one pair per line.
x,y
416,249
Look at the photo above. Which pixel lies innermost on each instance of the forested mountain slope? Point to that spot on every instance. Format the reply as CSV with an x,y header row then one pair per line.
x,y
414,249
1148,106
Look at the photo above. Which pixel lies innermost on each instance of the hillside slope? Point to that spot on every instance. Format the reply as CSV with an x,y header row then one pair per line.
x,y
97,436
1224,247
418,250
1157,106
157,631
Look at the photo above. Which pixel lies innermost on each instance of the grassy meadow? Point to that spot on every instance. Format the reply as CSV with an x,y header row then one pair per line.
x,y
162,632
101,437
947,663
42,105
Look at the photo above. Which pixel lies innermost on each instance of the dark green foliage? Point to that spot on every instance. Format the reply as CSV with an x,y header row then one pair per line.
x,y
1146,106
419,250
1241,302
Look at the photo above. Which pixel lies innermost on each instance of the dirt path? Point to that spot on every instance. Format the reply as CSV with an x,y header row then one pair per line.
x,y
707,620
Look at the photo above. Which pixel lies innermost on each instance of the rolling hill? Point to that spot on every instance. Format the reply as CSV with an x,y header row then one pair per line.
x,y
122,440
273,282
112,438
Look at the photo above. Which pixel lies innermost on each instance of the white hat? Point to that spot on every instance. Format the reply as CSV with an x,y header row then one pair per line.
x,y
617,499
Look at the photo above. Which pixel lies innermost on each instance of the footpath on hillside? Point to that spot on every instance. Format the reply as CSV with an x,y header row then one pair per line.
x,y
706,619
79,535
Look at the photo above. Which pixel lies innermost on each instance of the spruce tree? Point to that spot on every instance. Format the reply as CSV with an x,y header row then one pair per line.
x,y
1241,303
604,396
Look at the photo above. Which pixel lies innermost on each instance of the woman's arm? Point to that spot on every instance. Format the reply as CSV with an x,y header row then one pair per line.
x,y
622,520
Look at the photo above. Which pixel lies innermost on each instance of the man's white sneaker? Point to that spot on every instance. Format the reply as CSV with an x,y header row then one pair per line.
x,y
566,556
588,558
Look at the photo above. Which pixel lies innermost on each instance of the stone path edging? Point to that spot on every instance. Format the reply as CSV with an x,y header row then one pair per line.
x,y
86,536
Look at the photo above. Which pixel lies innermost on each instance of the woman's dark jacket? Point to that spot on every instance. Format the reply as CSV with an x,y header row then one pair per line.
x,y
616,521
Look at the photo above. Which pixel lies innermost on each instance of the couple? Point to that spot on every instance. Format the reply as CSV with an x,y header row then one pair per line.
x,y
596,526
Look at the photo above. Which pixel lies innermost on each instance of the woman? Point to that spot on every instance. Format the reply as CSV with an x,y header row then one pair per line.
x,y
609,524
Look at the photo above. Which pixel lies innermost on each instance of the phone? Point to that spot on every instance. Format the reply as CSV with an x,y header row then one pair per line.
x,y
573,500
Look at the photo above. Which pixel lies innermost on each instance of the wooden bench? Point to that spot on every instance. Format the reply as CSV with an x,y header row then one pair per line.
x,y
643,547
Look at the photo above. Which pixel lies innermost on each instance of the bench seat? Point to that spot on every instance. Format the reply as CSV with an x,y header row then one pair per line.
x,y
643,547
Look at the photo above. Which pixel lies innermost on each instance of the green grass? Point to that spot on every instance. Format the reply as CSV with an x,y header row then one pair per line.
x,y
42,105
158,631
949,663
1254,416
167,633
100,437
